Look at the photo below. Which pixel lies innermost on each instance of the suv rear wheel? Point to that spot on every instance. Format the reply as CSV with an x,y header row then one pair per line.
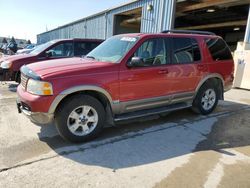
x,y
80,118
206,99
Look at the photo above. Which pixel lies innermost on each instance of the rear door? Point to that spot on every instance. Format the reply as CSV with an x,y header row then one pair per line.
x,y
186,69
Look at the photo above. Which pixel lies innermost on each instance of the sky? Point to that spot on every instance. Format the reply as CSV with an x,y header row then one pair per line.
x,y
25,19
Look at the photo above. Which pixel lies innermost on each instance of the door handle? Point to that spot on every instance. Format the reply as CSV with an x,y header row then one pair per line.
x,y
165,71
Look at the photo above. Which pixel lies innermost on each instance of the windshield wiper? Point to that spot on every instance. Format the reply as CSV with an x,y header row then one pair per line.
x,y
91,57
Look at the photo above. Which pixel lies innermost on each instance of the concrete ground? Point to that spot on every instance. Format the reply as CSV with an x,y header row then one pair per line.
x,y
181,149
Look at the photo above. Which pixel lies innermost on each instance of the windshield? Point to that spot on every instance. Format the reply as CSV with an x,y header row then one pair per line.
x,y
113,49
41,47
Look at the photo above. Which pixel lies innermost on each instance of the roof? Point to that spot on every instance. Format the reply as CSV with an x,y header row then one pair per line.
x,y
92,16
78,39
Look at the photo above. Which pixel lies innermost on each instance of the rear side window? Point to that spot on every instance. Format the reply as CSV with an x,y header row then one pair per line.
x,y
83,48
218,49
185,50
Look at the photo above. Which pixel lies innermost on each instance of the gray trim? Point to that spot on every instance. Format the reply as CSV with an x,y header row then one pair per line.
x,y
135,105
214,75
228,87
75,89
143,113
38,117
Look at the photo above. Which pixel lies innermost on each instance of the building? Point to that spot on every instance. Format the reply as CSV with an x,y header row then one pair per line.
x,y
228,18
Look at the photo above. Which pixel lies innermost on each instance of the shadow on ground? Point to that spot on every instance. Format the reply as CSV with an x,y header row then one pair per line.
x,y
158,138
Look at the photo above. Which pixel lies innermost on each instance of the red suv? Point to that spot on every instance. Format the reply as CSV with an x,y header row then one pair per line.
x,y
127,76
10,66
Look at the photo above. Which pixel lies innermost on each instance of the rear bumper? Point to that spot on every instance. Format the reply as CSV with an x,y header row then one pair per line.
x,y
228,87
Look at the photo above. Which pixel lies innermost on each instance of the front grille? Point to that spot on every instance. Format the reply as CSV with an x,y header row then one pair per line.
x,y
24,80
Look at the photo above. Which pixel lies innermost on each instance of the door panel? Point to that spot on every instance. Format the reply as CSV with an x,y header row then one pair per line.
x,y
150,80
187,68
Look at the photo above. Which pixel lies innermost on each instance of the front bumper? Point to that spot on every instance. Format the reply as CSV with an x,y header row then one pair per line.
x,y
36,108
36,117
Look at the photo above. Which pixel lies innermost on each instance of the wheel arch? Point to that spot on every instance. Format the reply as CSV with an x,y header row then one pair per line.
x,y
101,94
215,78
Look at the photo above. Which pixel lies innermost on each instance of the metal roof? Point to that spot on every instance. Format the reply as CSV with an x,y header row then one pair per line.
x,y
93,15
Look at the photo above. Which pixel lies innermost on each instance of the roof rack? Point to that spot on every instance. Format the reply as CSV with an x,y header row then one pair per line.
x,y
189,32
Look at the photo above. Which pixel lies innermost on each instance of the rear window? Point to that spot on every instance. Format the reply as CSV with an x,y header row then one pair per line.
x,y
186,50
218,49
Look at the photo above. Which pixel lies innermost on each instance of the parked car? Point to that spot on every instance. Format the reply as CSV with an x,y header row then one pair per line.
x,y
56,49
4,48
128,76
27,49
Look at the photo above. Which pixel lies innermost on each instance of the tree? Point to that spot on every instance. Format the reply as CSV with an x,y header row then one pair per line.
x,y
4,40
13,40
28,42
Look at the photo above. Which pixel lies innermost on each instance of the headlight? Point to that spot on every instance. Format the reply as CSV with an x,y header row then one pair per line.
x,y
6,64
39,87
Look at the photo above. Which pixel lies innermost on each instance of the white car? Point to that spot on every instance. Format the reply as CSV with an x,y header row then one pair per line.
x,y
27,49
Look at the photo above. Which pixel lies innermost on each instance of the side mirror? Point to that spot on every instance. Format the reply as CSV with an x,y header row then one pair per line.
x,y
48,53
136,62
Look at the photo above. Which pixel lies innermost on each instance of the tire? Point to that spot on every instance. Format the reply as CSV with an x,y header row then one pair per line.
x,y
206,99
18,77
80,118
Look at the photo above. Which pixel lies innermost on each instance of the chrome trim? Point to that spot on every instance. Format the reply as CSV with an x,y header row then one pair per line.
x,y
24,81
69,91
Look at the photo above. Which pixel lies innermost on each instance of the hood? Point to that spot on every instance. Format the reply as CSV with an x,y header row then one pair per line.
x,y
66,67
15,57
23,51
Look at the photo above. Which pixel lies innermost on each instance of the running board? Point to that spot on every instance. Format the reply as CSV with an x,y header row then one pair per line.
x,y
143,113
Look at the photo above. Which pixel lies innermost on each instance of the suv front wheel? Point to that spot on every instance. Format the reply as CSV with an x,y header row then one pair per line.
x,y
80,118
206,99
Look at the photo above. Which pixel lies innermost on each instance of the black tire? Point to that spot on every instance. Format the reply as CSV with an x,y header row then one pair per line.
x,y
18,77
68,106
198,105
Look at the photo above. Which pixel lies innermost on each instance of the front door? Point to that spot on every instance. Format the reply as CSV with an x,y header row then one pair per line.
x,y
147,82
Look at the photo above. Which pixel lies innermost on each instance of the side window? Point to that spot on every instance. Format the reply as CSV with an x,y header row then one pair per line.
x,y
80,48
218,49
153,52
62,50
185,50
83,48
93,45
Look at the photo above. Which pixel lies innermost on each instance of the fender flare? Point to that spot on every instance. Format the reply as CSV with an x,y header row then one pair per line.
x,y
75,89
214,75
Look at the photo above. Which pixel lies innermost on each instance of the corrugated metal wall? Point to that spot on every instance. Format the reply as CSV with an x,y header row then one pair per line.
x,y
101,26
247,34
